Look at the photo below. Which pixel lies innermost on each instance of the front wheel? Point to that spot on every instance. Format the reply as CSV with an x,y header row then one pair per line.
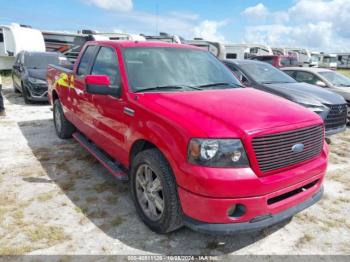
x,y
14,85
154,192
64,128
26,94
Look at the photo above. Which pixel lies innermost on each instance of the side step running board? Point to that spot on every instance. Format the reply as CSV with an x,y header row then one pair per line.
x,y
116,169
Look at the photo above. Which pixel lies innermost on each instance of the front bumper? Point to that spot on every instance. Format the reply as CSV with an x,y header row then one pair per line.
x,y
38,92
255,224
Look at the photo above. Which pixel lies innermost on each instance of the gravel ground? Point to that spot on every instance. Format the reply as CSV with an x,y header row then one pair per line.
x,y
55,198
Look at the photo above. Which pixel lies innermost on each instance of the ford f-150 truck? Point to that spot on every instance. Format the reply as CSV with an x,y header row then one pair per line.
x,y
198,149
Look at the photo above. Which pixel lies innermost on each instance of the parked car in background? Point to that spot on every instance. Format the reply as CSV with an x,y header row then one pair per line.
x,y
325,78
267,78
29,73
277,60
199,150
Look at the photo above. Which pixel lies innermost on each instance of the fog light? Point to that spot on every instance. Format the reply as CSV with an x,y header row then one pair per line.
x,y
236,211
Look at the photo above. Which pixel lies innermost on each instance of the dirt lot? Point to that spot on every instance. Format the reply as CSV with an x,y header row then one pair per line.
x,y
57,199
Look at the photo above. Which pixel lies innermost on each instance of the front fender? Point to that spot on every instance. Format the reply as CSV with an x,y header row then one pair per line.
x,y
172,142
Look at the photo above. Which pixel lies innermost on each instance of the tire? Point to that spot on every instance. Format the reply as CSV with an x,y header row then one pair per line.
x,y
14,86
64,128
171,217
26,95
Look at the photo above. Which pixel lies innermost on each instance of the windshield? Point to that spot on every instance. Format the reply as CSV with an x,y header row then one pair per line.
x,y
41,61
152,67
265,73
336,79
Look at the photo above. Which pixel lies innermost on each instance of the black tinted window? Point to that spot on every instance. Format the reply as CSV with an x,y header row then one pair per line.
x,y
42,60
290,73
263,73
1,38
106,63
231,56
85,59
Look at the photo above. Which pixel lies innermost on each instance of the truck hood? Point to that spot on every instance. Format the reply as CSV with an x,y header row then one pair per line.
x,y
226,112
304,93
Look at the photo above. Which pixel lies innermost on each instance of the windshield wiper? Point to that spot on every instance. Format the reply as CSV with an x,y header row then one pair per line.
x,y
275,82
155,88
219,84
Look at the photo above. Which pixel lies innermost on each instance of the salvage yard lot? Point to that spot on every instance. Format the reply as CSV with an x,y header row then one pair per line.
x,y
55,198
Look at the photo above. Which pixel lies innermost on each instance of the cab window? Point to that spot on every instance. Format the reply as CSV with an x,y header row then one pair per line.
x,y
106,63
85,60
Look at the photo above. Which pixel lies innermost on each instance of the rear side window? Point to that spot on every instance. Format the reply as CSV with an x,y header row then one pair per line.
x,y
106,63
85,60
290,73
305,77
1,38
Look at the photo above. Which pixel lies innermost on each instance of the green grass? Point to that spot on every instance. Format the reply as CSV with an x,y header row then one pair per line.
x,y
344,72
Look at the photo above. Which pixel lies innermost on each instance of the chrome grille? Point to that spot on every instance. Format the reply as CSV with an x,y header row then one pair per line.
x,y
274,151
336,117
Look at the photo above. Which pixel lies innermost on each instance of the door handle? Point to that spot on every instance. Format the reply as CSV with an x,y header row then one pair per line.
x,y
128,111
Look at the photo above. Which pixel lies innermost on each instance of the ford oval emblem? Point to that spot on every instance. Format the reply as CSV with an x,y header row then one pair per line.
x,y
297,148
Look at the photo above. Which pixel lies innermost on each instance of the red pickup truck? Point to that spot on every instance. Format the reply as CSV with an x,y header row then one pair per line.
x,y
198,149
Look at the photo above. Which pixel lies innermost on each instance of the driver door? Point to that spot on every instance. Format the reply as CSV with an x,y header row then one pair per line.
x,y
108,117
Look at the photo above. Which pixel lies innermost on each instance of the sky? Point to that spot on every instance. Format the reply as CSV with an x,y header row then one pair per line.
x,y
320,25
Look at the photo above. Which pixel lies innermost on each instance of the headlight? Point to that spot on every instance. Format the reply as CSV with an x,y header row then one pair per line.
x,y
321,110
217,153
36,81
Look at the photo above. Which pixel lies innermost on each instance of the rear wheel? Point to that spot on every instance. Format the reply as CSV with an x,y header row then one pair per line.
x,y
154,192
64,128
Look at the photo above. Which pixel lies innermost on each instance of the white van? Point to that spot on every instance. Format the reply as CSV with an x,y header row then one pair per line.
x,y
15,38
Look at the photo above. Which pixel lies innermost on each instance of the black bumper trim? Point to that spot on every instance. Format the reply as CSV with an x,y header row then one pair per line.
x,y
226,229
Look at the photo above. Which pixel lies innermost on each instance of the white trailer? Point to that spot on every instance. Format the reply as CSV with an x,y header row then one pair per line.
x,y
343,60
231,51
215,48
245,51
315,59
329,61
15,38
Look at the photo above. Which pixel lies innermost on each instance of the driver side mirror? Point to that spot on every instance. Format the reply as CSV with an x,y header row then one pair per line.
x,y
321,83
100,85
